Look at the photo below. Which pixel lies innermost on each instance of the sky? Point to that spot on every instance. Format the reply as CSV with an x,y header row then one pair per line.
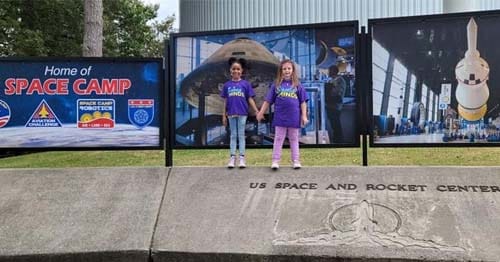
x,y
167,7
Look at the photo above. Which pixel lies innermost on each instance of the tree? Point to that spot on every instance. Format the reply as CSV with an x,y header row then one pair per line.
x,y
8,26
41,27
92,38
162,30
56,28
129,29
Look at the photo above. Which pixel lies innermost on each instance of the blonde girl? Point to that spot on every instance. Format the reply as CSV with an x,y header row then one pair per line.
x,y
290,111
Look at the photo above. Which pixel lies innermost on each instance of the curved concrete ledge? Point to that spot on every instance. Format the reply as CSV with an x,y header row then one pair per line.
x,y
348,213
82,214
254,214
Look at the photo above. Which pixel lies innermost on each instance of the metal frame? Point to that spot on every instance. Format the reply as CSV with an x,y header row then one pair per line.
x,y
161,101
369,67
172,85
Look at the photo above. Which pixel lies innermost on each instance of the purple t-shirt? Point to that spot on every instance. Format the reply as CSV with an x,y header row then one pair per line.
x,y
236,94
286,100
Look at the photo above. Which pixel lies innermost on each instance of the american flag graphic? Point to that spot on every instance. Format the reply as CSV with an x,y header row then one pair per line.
x,y
4,113
4,120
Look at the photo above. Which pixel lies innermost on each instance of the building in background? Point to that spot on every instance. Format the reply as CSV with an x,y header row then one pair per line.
x,y
208,15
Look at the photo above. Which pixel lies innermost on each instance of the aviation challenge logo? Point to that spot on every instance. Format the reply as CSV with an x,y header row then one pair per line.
x,y
43,116
4,113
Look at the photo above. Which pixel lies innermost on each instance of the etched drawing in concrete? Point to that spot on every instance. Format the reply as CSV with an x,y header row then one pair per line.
x,y
361,224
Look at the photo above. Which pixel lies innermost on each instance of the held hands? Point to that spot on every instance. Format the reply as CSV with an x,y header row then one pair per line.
x,y
224,120
260,116
304,121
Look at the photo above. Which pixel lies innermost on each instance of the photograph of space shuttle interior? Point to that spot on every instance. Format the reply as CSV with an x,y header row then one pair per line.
x,y
200,64
434,80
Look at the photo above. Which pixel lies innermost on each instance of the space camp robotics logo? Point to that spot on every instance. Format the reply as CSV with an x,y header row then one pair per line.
x,y
96,113
4,113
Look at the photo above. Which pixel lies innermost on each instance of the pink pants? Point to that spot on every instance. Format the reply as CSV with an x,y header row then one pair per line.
x,y
279,138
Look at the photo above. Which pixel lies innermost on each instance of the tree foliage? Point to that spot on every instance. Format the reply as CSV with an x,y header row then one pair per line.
x,y
55,28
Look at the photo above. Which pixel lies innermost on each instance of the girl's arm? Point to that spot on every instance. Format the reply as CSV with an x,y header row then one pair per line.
x,y
263,109
251,102
224,118
303,114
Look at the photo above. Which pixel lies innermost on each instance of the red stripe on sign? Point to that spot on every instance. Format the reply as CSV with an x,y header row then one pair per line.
x,y
140,102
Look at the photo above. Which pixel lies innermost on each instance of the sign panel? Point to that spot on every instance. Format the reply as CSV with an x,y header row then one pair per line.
x,y
445,96
433,80
80,103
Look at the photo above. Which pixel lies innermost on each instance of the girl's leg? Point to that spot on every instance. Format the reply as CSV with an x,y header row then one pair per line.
x,y
242,121
233,127
279,138
293,137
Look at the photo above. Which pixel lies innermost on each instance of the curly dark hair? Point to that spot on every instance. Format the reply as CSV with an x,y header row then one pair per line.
x,y
241,61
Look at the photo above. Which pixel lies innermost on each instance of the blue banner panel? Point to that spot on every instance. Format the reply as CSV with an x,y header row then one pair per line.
x,y
80,103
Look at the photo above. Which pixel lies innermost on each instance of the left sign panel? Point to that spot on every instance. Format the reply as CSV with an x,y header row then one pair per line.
x,y
81,103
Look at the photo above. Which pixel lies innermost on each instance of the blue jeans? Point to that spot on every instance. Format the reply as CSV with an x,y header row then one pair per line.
x,y
237,127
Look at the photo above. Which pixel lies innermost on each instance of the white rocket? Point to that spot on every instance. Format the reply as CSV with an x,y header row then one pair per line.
x,y
472,72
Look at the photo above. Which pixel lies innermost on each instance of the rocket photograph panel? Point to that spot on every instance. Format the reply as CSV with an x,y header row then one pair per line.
x,y
201,69
434,80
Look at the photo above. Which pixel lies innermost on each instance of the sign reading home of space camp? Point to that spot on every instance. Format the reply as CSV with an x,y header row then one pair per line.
x,y
87,100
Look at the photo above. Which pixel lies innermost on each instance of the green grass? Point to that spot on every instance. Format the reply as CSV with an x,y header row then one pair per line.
x,y
261,157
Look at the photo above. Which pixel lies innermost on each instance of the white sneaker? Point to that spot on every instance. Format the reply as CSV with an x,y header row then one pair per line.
x,y
242,162
296,164
275,165
230,164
